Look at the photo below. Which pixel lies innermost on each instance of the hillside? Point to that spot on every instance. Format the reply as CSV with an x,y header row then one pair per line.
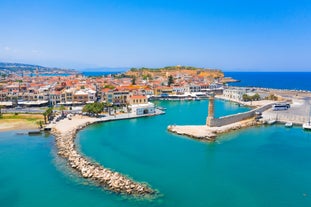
x,y
175,70
29,68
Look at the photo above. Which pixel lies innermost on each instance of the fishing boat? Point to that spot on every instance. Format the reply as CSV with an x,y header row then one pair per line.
x,y
307,126
288,124
161,108
270,122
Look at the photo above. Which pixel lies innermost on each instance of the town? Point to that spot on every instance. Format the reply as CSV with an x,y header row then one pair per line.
x,y
130,89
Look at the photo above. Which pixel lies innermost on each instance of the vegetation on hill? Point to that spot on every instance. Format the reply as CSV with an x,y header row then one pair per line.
x,y
173,70
17,67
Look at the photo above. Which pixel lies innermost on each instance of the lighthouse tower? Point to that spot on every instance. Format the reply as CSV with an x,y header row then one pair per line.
x,y
210,115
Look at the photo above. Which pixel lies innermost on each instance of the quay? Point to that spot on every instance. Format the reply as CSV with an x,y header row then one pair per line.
x,y
65,132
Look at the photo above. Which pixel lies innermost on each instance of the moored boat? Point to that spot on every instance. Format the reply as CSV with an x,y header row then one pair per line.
x,y
306,126
270,122
288,124
34,132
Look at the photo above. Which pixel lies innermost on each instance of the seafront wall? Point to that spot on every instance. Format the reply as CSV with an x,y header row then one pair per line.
x,y
230,119
106,178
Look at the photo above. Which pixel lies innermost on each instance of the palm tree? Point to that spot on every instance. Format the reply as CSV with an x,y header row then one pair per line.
x,y
62,108
47,114
40,123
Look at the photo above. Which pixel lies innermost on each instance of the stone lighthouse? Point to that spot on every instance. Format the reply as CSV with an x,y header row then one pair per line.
x,y
210,115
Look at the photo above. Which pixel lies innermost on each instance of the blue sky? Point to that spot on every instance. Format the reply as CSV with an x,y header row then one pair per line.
x,y
228,34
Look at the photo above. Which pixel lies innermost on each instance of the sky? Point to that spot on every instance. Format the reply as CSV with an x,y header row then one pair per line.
x,y
233,35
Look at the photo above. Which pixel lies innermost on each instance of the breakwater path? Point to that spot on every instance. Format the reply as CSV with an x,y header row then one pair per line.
x,y
65,132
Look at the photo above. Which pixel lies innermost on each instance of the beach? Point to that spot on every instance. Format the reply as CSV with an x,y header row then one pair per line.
x,y
11,122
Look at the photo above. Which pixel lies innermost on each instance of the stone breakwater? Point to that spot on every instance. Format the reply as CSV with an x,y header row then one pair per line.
x,y
106,178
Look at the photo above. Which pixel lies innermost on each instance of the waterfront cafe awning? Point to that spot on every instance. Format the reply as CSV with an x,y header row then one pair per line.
x,y
6,103
70,103
32,103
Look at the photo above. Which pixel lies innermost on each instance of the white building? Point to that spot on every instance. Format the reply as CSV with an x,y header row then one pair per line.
x,y
234,93
142,109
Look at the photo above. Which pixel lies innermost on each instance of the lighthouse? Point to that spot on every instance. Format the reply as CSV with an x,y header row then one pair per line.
x,y
210,115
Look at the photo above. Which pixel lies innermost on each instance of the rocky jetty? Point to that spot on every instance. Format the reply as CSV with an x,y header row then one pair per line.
x,y
106,178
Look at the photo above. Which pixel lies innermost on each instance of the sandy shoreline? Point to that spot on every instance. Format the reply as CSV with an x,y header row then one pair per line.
x,y
17,125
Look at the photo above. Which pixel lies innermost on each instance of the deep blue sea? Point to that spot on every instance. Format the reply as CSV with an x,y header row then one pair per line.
x,y
87,73
99,73
278,80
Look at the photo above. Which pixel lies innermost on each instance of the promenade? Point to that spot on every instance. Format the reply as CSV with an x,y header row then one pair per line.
x,y
65,133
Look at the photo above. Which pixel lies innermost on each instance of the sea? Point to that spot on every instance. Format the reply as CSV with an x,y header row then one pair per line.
x,y
278,80
86,73
259,166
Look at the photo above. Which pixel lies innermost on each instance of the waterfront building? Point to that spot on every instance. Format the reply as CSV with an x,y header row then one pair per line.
x,y
138,99
234,93
142,109
80,96
54,97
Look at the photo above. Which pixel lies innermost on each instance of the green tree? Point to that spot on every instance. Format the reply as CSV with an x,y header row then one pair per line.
x,y
170,80
93,108
246,97
1,111
134,80
256,97
47,114
62,108
40,124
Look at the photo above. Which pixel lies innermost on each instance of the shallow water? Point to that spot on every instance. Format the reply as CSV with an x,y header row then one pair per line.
x,y
261,166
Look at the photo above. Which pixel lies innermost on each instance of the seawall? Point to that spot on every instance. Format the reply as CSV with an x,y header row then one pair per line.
x,y
65,133
230,119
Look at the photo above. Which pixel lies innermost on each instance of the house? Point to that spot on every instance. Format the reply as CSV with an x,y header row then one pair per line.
x,y
139,105
137,99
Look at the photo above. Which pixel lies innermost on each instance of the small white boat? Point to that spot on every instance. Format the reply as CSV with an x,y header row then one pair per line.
x,y
288,124
270,122
306,126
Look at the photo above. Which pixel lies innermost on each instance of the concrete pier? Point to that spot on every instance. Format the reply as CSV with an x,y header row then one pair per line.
x,y
220,125
209,134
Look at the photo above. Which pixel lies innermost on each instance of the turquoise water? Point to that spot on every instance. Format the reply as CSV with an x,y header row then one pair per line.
x,y
262,166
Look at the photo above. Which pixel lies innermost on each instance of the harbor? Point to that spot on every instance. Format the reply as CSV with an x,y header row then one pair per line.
x,y
294,111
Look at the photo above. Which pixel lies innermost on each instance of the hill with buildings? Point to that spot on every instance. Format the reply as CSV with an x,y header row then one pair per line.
x,y
175,71
21,68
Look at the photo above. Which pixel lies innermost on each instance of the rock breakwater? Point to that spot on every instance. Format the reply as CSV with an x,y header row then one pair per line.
x,y
106,178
